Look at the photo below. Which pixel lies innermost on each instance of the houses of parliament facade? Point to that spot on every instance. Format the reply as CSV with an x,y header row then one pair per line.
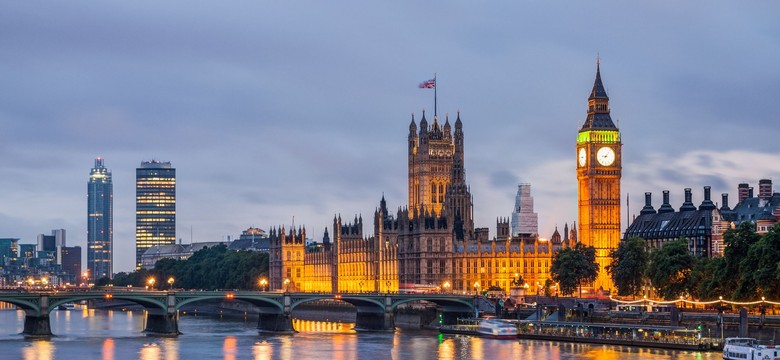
x,y
433,241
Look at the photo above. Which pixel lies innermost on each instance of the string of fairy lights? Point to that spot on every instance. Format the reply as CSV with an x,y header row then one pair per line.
x,y
720,300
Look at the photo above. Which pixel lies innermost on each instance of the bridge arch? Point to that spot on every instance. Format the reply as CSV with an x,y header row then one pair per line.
x,y
262,302
156,302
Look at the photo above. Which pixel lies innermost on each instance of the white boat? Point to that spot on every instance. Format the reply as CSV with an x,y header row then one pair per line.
x,y
68,306
741,348
497,329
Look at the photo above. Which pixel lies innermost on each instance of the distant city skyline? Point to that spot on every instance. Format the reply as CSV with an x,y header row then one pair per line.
x,y
268,118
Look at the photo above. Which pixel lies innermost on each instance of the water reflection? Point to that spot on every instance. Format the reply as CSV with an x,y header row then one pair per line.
x,y
150,351
323,326
108,349
262,350
119,337
39,350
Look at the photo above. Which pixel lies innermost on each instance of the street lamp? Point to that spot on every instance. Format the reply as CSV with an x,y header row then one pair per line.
x,y
263,283
476,288
286,285
44,282
150,283
446,286
170,282
517,279
85,277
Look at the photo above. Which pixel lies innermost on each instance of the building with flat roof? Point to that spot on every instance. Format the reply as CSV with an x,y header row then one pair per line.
x,y
155,206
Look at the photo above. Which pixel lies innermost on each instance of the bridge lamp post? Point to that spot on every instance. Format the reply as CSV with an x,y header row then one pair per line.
x,y
263,284
286,285
446,286
150,283
476,288
85,277
31,282
44,282
170,282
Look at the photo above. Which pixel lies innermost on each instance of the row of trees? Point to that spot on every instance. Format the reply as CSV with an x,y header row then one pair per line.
x,y
748,269
208,269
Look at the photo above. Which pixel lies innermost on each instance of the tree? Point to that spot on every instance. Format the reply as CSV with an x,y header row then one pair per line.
x,y
764,275
629,263
573,267
209,269
670,269
737,243
705,279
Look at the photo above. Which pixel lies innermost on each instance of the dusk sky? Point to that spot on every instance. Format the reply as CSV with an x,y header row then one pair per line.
x,y
275,110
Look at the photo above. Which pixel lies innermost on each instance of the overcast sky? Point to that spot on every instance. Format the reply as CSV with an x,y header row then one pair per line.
x,y
275,110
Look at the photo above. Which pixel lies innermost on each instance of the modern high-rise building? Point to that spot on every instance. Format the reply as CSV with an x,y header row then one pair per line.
x,y
50,246
599,169
100,222
155,206
524,219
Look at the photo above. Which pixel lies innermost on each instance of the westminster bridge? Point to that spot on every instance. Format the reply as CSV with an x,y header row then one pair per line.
x,y
374,310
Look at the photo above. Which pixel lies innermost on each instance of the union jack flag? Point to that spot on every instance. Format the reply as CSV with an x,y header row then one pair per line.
x,y
430,84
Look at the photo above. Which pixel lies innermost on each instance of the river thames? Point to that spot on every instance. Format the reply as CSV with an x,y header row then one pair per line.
x,y
94,334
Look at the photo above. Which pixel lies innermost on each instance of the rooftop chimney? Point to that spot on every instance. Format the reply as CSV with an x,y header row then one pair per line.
x,y
648,209
743,191
688,204
765,189
725,206
665,207
707,204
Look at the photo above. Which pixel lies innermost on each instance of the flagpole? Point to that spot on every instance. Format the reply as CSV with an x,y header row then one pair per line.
x,y
435,106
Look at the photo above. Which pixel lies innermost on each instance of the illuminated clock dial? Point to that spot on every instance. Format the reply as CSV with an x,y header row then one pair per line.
x,y
605,156
583,157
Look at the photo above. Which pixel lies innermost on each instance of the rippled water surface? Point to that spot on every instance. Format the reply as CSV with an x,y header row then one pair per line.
x,y
90,334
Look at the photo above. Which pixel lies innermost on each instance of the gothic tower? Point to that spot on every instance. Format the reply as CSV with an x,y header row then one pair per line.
x,y
598,176
431,158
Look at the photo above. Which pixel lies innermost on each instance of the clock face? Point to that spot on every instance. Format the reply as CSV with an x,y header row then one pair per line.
x,y
582,157
605,156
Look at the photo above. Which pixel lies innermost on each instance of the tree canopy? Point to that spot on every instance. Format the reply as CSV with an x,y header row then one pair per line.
x,y
208,269
670,269
628,266
573,267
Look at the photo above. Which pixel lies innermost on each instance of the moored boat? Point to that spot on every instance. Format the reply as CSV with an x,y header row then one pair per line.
x,y
741,348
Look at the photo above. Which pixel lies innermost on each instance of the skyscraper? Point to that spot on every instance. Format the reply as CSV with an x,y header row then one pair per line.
x,y
599,168
100,222
524,219
155,206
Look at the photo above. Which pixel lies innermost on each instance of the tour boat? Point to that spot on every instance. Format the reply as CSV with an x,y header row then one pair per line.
x,y
740,348
497,329
68,306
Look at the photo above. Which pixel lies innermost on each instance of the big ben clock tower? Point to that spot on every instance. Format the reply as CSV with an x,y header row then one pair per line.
x,y
599,170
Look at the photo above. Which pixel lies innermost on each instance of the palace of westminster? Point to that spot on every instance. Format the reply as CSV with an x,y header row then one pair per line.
x,y
433,241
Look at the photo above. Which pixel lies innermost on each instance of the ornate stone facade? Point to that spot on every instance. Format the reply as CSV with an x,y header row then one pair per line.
x,y
432,243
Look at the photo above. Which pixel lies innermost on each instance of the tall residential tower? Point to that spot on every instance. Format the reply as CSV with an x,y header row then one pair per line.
x,y
155,206
100,222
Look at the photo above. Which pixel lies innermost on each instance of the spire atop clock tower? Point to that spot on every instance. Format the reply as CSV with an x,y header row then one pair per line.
x,y
598,106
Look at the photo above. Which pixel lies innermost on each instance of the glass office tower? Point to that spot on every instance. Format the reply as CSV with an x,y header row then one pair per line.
x,y
100,222
155,206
